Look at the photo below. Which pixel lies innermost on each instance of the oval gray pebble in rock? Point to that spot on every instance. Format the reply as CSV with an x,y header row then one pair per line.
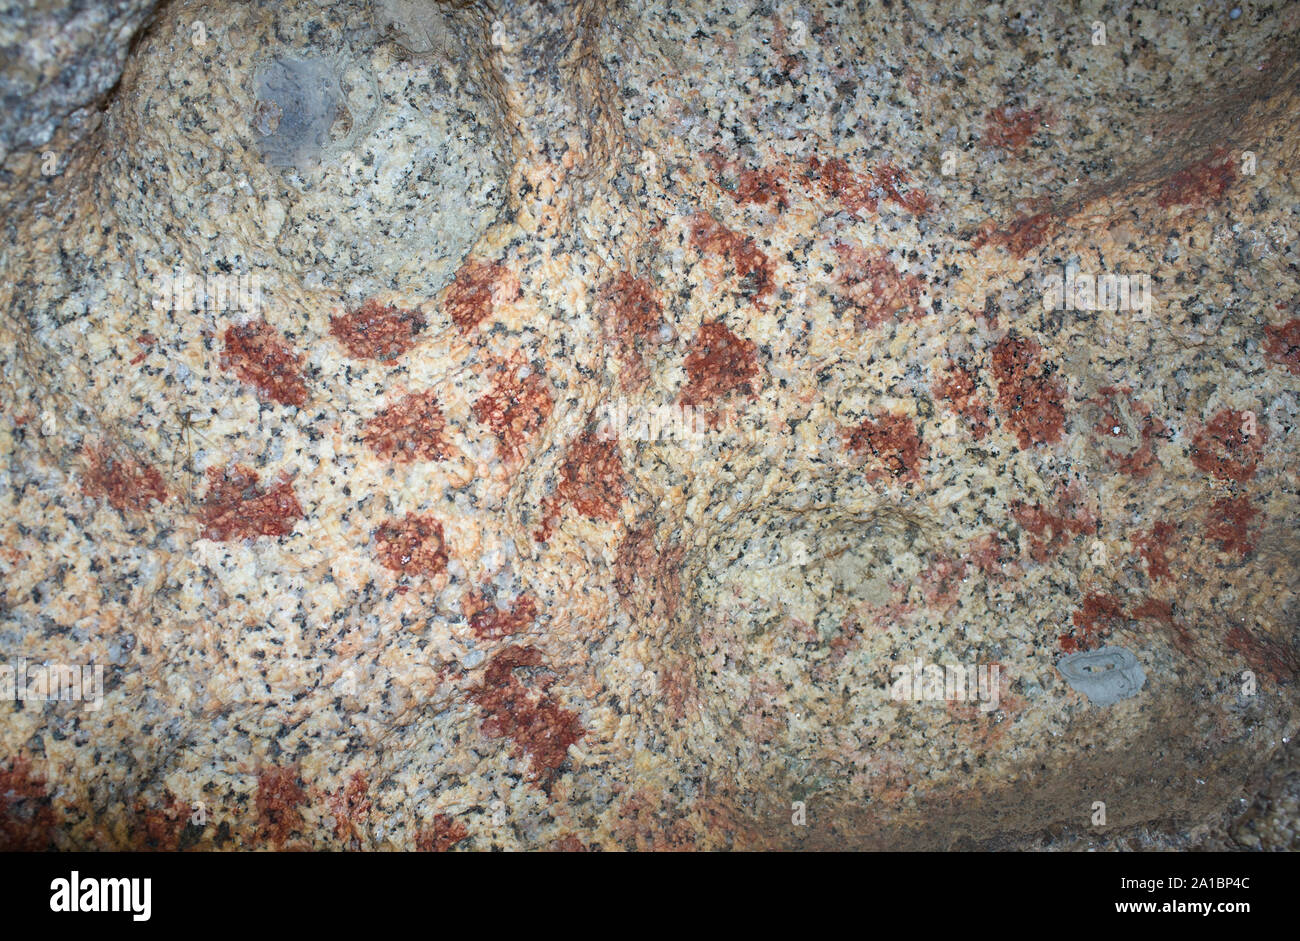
x,y
297,102
1105,676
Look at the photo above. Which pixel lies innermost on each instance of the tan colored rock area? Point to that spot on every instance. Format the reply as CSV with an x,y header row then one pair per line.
x,y
560,426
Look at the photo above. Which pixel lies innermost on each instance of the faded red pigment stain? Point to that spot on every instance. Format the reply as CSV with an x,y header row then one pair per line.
x,y
488,622
891,445
762,717
958,387
279,802
889,776
146,340
1162,612
874,287
258,355
640,562
524,712
591,480
378,332
1282,345
636,557
987,553
516,407
235,508
1008,705
836,181
719,363
632,315
894,612
647,823
1010,129
1096,618
847,637
974,727
1200,184
1152,547
161,828
790,63
787,61
26,813
941,581
678,686
752,267
478,288
411,429
1029,398
1229,522
1225,450
888,176
1020,236
1267,656
1051,529
441,835
1128,425
413,545
128,484
350,805
759,187
856,192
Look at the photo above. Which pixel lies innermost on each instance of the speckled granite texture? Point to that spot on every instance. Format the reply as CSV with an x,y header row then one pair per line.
x,y
378,549
57,59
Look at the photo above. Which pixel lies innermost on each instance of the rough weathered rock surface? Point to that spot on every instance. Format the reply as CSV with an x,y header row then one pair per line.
x,y
58,59
558,425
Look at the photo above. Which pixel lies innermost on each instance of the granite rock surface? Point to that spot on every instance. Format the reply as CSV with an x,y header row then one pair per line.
x,y
651,425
